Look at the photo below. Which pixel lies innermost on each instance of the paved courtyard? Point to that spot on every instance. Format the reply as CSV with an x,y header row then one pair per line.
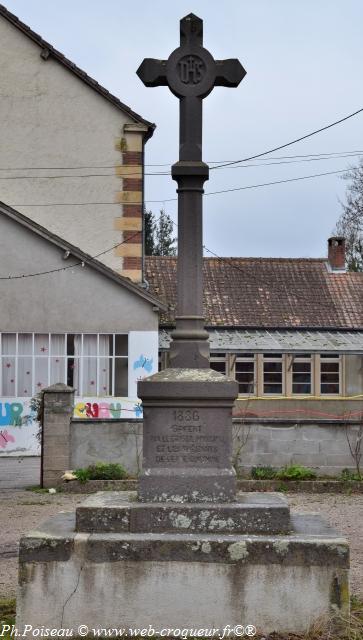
x,y
23,510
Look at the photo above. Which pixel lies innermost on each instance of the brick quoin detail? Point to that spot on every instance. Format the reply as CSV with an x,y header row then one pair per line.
x,y
132,237
132,211
132,263
132,184
132,157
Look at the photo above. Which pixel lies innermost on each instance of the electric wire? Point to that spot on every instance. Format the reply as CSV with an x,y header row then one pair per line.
x,y
288,144
168,173
263,184
209,193
81,263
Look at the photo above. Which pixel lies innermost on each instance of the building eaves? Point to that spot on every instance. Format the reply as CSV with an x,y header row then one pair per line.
x,y
80,255
49,50
278,341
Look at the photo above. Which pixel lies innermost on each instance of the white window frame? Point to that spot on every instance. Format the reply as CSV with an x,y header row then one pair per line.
x,y
291,359
219,358
67,357
238,357
266,357
336,358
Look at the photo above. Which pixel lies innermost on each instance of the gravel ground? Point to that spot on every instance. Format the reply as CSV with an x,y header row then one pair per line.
x,y
22,511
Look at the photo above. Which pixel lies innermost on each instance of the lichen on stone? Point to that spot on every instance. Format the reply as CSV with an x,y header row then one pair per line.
x,y
238,551
180,520
281,546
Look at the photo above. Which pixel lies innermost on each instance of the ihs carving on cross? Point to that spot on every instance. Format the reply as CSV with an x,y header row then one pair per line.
x,y
190,73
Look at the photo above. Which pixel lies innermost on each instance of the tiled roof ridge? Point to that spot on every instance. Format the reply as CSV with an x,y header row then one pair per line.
x,y
60,57
244,258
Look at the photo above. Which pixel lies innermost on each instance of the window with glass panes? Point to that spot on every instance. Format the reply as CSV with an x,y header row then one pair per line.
x,y
329,374
301,371
218,361
272,373
245,372
94,364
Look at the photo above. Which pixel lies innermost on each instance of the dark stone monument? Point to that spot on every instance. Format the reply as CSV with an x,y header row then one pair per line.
x,y
184,553
191,73
188,408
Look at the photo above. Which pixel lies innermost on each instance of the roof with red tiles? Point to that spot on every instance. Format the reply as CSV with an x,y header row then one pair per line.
x,y
49,50
268,293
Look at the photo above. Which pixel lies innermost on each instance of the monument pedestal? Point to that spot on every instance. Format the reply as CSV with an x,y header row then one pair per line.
x,y
149,568
187,559
187,444
186,553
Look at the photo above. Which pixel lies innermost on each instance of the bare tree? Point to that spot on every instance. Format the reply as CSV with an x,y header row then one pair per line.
x,y
350,223
355,440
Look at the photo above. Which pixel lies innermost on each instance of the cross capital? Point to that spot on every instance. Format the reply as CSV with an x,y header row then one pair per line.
x,y
191,70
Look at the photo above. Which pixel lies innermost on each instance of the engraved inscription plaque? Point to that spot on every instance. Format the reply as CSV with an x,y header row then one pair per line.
x,y
186,438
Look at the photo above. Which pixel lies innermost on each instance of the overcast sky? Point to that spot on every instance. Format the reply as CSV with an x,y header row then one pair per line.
x,y
304,70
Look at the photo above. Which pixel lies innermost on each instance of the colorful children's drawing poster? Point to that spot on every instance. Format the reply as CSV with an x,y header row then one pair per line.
x,y
18,428
143,357
107,408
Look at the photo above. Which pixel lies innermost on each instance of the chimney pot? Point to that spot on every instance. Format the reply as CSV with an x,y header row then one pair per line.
x,y
336,253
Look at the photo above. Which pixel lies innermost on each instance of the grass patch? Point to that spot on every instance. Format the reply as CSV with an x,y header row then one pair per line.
x,y
263,473
7,615
290,472
347,475
37,489
101,471
295,472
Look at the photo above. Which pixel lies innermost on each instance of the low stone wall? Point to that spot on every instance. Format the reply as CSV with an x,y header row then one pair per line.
x,y
323,446
72,443
106,441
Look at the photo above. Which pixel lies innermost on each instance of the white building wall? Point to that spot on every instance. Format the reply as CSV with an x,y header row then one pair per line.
x,y
50,118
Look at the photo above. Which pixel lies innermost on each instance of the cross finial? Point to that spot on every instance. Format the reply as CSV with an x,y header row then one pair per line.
x,y
190,73
191,30
190,69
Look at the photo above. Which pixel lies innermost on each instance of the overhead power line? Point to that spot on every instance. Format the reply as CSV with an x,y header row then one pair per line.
x,y
218,165
263,184
267,184
81,263
288,144
168,173
209,193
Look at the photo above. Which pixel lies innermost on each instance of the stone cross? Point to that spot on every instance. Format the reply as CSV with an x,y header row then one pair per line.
x,y
190,73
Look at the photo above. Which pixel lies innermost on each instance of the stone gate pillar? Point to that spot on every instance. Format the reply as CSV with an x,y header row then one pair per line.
x,y
56,437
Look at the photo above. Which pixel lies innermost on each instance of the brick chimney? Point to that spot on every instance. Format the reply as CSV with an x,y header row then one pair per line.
x,y
336,253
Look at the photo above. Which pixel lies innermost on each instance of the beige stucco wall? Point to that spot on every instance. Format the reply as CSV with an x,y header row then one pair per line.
x,y
75,300
50,118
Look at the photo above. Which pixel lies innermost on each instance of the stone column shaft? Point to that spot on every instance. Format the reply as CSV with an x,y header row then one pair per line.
x,y
190,347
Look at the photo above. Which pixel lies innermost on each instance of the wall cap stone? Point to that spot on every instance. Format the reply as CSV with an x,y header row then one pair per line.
x,y
59,387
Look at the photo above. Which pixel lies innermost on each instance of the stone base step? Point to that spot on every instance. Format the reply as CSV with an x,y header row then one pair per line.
x,y
281,583
117,512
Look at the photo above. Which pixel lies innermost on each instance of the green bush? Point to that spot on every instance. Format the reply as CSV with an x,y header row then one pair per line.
x,y
350,476
263,473
295,472
101,471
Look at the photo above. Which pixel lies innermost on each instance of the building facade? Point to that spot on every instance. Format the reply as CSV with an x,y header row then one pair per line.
x,y
290,331
66,317
71,152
